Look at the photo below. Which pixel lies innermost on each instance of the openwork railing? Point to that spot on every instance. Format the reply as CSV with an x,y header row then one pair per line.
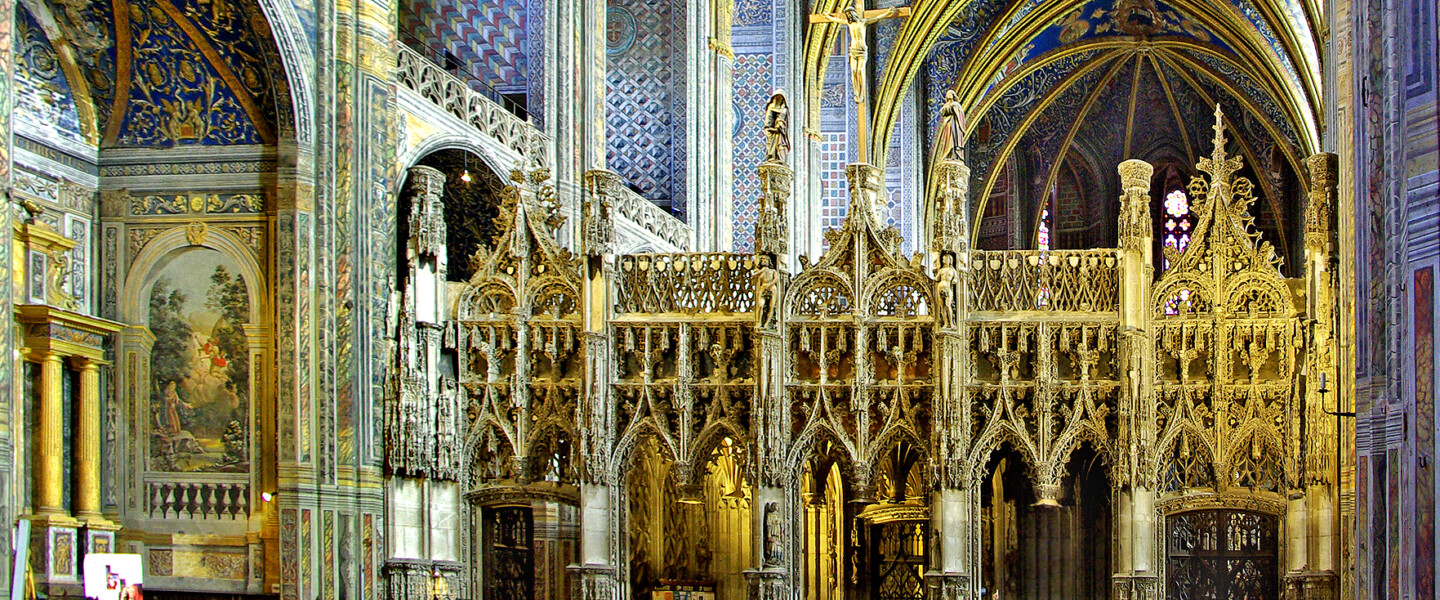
x,y
198,501
457,98
1054,280
651,218
685,283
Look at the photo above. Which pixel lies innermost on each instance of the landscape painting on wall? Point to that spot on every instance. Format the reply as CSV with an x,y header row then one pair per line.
x,y
199,365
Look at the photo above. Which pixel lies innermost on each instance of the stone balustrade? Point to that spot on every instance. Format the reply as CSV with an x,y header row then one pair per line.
x,y
1051,280
685,283
200,501
456,97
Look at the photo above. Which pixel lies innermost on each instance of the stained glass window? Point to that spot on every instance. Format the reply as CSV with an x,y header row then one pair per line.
x,y
1043,242
1177,224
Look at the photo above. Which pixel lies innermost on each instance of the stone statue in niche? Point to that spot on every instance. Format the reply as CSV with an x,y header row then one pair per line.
x,y
777,130
774,550
945,288
950,139
767,291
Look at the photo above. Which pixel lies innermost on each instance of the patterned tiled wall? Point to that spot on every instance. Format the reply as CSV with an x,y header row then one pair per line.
x,y
834,189
756,77
645,98
837,115
752,93
488,37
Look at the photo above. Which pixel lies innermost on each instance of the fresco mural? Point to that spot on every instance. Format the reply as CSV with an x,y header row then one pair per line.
x,y
199,365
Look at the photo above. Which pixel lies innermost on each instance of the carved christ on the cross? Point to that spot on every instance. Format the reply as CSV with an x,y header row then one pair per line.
x,y
857,21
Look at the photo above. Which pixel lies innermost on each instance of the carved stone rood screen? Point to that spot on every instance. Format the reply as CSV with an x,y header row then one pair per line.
x,y
1188,386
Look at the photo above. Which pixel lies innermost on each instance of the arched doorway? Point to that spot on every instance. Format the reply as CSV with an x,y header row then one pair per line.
x,y
688,536
1040,549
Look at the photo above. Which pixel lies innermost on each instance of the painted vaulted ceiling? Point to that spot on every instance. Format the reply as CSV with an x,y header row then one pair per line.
x,y
1052,82
162,73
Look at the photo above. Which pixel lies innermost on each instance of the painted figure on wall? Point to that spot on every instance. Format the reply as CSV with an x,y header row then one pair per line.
x,y
199,365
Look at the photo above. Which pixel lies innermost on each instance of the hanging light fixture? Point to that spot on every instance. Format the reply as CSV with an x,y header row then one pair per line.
x,y
465,175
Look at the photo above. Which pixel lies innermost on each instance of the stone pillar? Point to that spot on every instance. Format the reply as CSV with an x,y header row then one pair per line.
x,y
50,459
10,503
594,576
1312,542
1137,561
718,234
87,442
774,531
955,506
953,572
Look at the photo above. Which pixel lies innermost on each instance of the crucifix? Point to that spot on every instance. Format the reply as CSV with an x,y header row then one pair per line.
x,y
857,20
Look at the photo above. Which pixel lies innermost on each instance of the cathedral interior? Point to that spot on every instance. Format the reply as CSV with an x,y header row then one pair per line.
x,y
719,299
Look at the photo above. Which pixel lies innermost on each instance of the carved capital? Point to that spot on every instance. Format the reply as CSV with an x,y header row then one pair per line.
x,y
947,586
951,224
1311,585
114,203
1135,176
767,584
1135,587
772,229
1135,227
593,582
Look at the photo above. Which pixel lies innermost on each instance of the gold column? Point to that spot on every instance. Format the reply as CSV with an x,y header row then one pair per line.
x,y
87,442
50,466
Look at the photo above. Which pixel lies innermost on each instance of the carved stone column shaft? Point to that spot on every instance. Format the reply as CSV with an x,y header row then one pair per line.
x,y
87,441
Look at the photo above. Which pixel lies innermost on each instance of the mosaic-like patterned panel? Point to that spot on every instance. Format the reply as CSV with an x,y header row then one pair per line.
x,y
752,92
644,99
834,188
43,101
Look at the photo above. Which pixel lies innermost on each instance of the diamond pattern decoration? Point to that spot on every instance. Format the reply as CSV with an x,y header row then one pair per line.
x,y
642,134
752,92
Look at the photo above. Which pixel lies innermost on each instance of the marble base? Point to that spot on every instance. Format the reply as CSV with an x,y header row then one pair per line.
x,y
767,584
1311,585
947,586
1136,587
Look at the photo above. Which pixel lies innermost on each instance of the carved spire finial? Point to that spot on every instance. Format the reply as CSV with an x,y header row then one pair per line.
x,y
1219,166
